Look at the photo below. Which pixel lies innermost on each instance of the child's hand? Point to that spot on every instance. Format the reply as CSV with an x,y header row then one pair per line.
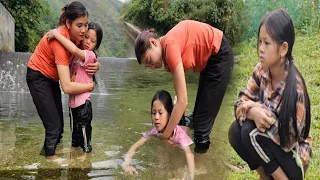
x,y
262,118
128,169
51,34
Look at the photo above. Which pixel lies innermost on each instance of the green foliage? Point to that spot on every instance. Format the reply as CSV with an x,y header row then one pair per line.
x,y
164,14
238,19
27,15
122,49
303,13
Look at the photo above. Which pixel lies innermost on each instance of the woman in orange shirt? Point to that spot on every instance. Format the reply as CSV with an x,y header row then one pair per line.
x,y
191,45
50,63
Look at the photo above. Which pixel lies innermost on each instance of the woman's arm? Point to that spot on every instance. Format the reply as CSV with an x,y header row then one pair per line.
x,y
92,68
69,87
182,100
126,164
70,46
190,162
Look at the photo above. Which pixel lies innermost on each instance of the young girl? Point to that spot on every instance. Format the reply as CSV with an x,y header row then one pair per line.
x,y
271,132
48,65
81,109
161,108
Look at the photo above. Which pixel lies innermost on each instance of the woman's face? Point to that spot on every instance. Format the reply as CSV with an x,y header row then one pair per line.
x,y
153,56
78,28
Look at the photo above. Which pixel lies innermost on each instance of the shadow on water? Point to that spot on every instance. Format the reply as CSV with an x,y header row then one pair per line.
x,y
121,110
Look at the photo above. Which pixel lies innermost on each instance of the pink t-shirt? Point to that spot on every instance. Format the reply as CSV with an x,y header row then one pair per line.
x,y
79,75
180,136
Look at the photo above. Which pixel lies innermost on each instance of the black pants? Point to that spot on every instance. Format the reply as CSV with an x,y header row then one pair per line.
x,y
257,149
82,130
46,95
213,82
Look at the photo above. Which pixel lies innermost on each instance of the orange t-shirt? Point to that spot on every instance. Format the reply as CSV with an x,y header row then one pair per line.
x,y
48,54
191,42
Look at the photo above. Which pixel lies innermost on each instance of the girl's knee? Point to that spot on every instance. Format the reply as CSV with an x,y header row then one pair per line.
x,y
247,131
234,132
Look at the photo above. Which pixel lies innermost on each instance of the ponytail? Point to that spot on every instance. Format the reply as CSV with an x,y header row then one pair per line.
x,y
288,109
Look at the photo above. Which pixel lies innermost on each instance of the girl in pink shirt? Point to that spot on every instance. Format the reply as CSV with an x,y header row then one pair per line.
x,y
161,107
80,104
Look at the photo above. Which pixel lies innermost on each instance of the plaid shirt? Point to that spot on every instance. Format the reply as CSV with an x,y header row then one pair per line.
x,y
259,89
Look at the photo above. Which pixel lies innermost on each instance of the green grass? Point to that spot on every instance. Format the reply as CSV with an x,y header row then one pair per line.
x,y
306,53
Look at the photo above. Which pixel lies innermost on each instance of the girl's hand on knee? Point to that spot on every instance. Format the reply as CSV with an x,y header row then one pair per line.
x,y
262,118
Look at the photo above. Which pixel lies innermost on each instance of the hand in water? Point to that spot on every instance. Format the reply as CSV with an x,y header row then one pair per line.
x,y
128,169
189,177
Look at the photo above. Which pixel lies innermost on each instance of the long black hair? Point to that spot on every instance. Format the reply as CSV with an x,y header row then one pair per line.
x,y
280,28
72,12
99,33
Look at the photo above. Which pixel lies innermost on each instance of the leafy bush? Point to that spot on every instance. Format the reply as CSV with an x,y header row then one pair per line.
x,y
164,14
27,16
239,19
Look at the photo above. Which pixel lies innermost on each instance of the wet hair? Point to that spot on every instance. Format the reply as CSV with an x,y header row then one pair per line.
x,y
280,28
72,12
99,32
165,97
142,43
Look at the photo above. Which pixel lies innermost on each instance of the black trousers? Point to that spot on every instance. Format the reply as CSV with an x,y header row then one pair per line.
x,y
257,149
46,95
82,129
213,82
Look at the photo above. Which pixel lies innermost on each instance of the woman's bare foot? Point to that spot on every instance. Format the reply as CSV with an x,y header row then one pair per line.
x,y
58,160
64,150
200,168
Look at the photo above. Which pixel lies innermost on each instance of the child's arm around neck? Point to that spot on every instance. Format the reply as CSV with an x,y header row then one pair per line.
x,y
70,46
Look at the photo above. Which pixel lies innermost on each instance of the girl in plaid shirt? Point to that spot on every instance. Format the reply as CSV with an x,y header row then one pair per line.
x,y
271,130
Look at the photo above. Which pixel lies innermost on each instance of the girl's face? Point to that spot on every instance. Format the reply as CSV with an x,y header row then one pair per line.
x,y
153,56
90,40
160,115
78,28
269,50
